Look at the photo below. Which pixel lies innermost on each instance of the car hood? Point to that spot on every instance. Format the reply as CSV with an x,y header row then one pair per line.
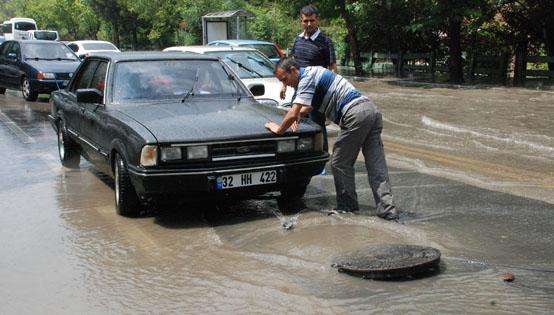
x,y
207,120
64,66
272,89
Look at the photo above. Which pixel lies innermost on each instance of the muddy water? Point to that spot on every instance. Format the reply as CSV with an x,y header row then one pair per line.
x,y
498,138
64,250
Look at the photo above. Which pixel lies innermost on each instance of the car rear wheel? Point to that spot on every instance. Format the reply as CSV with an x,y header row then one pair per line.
x,y
2,90
126,199
67,149
28,93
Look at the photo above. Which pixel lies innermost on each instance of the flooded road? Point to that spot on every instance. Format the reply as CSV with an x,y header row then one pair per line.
x,y
471,171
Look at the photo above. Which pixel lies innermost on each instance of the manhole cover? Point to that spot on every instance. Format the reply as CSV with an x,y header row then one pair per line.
x,y
389,261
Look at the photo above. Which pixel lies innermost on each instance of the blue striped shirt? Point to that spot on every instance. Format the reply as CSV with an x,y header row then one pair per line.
x,y
325,91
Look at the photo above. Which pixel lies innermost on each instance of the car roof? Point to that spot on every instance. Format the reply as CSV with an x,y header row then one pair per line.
x,y
34,41
204,49
89,41
242,41
150,55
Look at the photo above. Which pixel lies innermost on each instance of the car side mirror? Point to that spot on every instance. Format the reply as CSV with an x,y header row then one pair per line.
x,y
12,56
257,89
89,96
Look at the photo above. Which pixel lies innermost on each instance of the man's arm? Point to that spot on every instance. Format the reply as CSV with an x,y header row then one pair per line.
x,y
292,116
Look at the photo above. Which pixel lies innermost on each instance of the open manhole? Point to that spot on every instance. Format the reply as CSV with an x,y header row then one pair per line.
x,y
391,261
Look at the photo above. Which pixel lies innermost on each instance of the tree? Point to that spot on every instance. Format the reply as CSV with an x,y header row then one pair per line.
x,y
110,11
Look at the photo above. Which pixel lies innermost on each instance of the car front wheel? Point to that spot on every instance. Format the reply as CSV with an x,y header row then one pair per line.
x,y
28,93
67,149
126,200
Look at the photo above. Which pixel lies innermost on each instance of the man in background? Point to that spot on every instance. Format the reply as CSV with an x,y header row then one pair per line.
x,y
313,48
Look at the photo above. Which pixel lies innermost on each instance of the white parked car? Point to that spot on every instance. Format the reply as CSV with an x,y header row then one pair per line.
x,y
253,68
83,48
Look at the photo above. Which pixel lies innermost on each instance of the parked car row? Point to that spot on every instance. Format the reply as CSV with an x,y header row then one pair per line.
x,y
27,67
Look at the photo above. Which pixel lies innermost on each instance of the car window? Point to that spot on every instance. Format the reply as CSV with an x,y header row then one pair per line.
x,y
46,35
7,28
25,26
99,79
4,49
14,49
170,79
98,46
48,51
247,64
269,50
84,76
73,47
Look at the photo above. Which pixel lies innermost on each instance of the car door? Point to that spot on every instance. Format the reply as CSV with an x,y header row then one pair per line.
x,y
12,65
73,111
3,57
95,124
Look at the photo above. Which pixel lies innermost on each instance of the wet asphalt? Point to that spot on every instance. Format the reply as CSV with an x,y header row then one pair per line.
x,y
480,195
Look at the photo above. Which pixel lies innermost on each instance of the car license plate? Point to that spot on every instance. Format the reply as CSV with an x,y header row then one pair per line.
x,y
246,179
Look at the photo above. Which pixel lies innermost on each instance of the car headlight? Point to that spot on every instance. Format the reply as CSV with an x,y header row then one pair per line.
x,y
284,146
149,155
170,153
46,75
304,144
197,152
318,142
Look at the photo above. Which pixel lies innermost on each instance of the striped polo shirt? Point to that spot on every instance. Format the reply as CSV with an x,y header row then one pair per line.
x,y
326,91
316,50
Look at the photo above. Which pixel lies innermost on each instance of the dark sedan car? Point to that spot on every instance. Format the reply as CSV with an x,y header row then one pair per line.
x,y
35,66
172,124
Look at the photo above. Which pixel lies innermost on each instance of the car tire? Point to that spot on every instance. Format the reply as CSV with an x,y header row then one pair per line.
x,y
2,90
67,149
126,199
28,93
295,190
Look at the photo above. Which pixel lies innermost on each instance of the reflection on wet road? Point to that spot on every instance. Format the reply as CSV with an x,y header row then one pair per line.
x,y
65,250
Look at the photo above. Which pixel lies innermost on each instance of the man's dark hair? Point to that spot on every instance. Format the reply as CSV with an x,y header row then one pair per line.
x,y
309,10
286,64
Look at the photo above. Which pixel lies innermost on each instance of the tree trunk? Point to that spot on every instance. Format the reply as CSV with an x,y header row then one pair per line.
x,y
455,66
352,37
115,31
520,62
549,44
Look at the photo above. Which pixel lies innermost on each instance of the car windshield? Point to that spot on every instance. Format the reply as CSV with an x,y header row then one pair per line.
x,y
172,79
46,35
247,64
48,51
99,46
25,26
269,50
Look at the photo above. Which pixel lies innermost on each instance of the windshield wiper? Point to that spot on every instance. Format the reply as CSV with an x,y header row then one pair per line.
x,y
191,91
41,58
244,67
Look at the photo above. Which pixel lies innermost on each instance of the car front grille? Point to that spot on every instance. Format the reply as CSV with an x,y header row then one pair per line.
x,y
243,150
